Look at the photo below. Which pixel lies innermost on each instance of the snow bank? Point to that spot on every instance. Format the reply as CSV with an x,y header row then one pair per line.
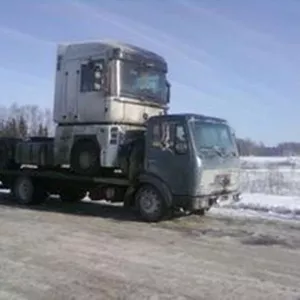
x,y
288,206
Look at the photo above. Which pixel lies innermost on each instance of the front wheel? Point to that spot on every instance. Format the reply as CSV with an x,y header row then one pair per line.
x,y
150,203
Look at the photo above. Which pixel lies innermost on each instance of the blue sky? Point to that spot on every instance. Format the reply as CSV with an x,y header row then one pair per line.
x,y
228,58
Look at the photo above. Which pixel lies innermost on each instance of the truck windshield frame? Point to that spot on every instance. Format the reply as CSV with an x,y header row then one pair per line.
x,y
213,138
142,81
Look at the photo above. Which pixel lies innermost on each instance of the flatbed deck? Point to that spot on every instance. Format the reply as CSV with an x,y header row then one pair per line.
x,y
34,185
63,175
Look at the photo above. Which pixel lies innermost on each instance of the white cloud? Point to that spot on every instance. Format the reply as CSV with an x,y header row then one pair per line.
x,y
238,26
241,86
23,36
21,75
245,32
161,39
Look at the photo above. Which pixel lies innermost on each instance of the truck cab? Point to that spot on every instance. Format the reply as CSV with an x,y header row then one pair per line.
x,y
190,161
102,90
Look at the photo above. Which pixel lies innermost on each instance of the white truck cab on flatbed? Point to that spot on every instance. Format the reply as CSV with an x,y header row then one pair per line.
x,y
102,90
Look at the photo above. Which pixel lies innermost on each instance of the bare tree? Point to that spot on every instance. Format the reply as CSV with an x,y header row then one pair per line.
x,y
24,121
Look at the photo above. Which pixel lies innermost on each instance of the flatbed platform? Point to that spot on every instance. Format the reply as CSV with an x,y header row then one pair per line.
x,y
64,175
34,185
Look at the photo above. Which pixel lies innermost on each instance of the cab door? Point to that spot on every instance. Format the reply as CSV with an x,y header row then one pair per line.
x,y
167,153
68,110
91,100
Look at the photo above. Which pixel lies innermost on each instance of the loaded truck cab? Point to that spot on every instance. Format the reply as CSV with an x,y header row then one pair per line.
x,y
102,90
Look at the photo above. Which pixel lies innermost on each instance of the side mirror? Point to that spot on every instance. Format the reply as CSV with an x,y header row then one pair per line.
x,y
181,147
97,74
168,87
239,148
97,86
98,77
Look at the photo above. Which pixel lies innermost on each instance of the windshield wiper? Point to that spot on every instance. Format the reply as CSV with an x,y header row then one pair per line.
x,y
215,149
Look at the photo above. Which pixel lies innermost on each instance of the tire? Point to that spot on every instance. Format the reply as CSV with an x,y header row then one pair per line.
x,y
85,158
72,196
26,192
150,203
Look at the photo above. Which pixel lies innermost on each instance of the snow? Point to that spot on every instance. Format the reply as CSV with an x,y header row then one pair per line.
x,y
270,188
264,159
270,161
287,207
283,181
4,191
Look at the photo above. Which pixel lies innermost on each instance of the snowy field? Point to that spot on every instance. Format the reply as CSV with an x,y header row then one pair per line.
x,y
271,175
270,188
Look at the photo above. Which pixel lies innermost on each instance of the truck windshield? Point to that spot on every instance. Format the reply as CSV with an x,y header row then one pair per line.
x,y
143,82
213,137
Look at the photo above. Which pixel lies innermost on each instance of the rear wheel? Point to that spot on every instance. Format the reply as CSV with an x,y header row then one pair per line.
x,y
26,192
150,203
85,158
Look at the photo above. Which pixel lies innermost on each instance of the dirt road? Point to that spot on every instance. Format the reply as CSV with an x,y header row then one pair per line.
x,y
91,251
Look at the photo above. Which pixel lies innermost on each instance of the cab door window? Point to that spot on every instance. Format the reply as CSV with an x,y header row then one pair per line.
x,y
180,139
161,135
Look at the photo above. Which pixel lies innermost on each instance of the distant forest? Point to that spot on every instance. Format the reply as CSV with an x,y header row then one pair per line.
x,y
30,120
248,147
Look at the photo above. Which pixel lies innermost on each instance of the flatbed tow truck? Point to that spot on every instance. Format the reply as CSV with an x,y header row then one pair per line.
x,y
115,139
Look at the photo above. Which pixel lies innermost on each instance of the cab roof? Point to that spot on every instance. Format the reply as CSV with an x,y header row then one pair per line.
x,y
75,49
189,116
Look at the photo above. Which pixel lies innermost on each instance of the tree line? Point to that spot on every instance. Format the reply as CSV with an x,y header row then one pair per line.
x,y
248,147
23,121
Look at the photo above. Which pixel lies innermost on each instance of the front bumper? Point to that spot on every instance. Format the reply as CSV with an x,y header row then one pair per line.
x,y
193,203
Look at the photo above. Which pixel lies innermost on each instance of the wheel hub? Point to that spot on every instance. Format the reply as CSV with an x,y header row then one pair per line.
x,y
149,201
85,160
